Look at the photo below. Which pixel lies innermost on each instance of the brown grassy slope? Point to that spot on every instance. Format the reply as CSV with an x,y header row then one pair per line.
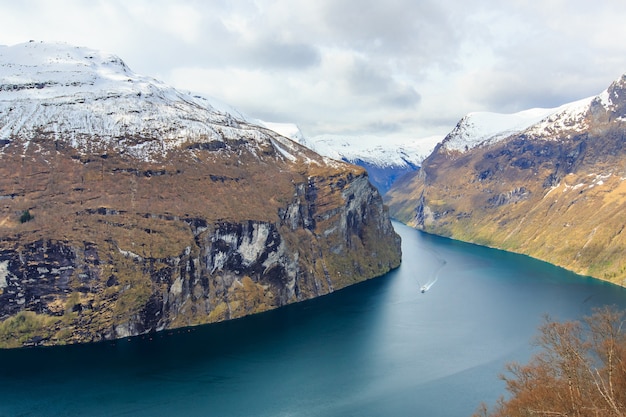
x,y
118,246
561,201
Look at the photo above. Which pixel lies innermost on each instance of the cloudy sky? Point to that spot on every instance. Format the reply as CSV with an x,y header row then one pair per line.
x,y
389,68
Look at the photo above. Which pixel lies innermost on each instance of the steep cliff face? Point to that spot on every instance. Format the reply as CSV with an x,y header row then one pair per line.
x,y
127,207
553,188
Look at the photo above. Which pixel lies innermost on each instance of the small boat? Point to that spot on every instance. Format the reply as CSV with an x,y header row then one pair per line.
x,y
423,289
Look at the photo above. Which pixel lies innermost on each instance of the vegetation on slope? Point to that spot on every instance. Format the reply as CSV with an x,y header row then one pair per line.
x,y
559,201
114,246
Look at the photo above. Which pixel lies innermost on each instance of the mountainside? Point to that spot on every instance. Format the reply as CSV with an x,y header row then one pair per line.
x,y
384,159
128,207
483,128
547,182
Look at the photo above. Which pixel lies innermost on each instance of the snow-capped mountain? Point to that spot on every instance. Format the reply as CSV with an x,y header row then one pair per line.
x,y
93,100
545,182
485,128
130,207
384,159
582,115
375,150
288,130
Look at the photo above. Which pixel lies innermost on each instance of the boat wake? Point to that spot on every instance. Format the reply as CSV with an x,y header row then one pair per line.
x,y
435,275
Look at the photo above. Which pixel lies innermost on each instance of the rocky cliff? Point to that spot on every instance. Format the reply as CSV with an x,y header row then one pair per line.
x,y
127,207
546,182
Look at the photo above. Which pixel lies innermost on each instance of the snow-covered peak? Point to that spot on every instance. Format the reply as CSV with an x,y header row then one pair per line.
x,y
482,128
570,117
479,129
578,116
613,99
43,70
94,101
378,151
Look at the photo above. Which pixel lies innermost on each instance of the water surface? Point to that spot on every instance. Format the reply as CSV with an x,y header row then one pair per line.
x,y
380,348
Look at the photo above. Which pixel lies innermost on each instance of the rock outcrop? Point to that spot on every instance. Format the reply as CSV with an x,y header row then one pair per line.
x,y
127,207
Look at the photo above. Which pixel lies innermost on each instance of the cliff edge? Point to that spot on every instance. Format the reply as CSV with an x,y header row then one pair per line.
x,y
128,207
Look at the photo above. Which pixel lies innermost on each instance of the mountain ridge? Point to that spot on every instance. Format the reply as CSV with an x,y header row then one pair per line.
x,y
86,95
552,190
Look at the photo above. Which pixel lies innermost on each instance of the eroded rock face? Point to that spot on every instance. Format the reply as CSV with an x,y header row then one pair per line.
x,y
147,209
107,272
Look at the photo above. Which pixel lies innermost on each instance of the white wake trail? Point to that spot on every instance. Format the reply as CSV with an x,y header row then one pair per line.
x,y
435,274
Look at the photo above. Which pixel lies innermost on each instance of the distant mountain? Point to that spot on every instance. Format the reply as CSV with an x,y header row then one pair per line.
x,y
385,159
545,182
129,207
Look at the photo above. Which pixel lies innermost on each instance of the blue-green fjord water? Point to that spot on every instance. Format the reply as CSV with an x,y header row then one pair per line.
x,y
380,348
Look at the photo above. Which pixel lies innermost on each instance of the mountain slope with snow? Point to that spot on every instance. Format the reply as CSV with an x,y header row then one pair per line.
x,y
94,101
547,183
128,207
484,128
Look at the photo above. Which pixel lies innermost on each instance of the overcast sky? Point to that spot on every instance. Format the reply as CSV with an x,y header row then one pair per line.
x,y
390,68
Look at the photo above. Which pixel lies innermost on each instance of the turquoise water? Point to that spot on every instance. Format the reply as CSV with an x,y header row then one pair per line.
x,y
380,348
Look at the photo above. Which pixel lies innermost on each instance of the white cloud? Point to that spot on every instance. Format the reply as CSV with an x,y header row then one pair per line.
x,y
180,20
398,67
344,93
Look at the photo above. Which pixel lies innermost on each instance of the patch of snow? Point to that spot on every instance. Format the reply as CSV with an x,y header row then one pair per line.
x,y
596,179
129,254
284,152
605,99
4,273
554,187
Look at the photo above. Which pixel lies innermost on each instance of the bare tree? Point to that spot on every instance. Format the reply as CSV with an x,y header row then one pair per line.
x,y
580,371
